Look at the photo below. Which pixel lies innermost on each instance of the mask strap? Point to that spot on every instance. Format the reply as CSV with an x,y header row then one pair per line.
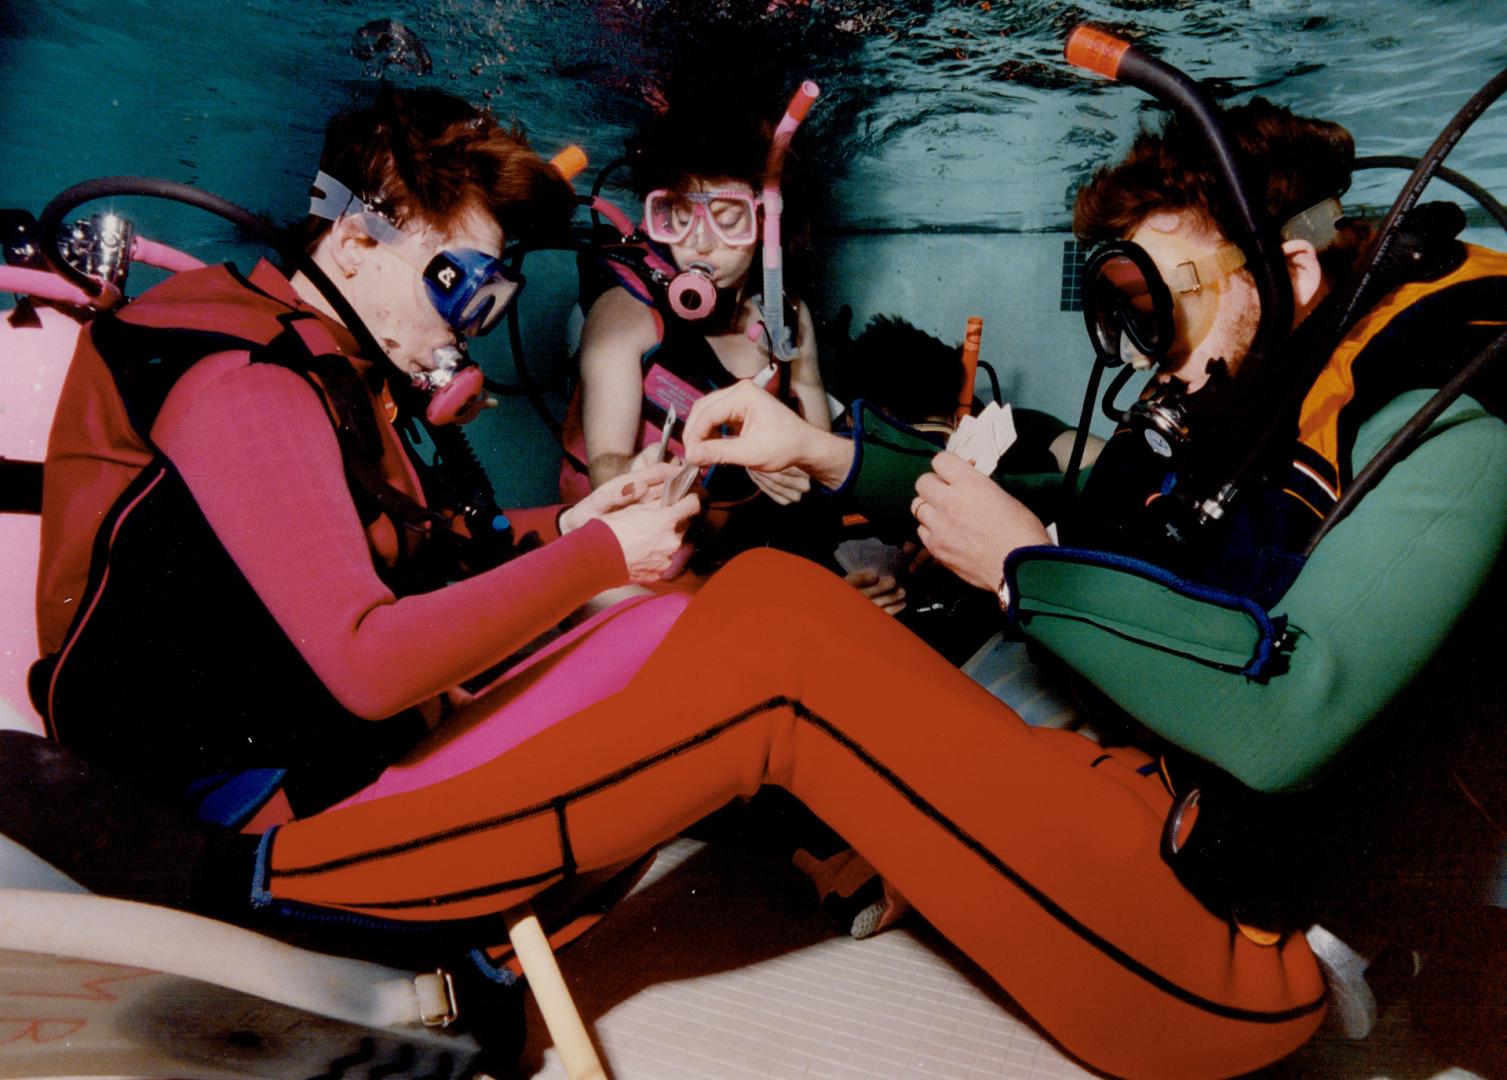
x,y
1207,269
330,200
1316,224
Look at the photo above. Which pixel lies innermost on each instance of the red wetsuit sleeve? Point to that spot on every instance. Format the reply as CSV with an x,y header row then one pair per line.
x,y
255,446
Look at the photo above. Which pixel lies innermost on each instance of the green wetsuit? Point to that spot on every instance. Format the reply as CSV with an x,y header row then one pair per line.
x,y
1372,606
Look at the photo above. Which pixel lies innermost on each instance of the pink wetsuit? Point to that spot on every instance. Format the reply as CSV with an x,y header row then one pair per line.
x,y
254,444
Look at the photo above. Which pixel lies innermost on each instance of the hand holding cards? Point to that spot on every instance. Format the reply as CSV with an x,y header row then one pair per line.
x,y
870,553
676,487
981,440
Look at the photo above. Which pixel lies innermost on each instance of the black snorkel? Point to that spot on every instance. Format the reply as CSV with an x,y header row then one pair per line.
x,y
1287,382
1119,60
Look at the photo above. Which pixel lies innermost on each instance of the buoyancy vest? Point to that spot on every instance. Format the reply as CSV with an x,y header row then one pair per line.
x,y
678,370
171,667
1416,336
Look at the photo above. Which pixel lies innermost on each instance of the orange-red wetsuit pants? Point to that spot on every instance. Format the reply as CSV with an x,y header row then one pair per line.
x,y
1035,851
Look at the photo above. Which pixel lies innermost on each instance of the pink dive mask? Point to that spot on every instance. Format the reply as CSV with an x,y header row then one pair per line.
x,y
731,216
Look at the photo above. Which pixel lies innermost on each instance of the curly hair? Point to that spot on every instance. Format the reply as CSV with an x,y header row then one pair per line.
x,y
426,156
1296,161
905,371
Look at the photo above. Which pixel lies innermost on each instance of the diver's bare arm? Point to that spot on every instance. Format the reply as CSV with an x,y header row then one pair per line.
x,y
618,331
765,435
805,373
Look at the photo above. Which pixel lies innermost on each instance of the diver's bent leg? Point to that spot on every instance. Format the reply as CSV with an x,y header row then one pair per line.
x,y
1037,861
590,662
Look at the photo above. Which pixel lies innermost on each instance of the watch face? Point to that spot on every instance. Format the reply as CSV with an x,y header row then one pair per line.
x,y
1158,444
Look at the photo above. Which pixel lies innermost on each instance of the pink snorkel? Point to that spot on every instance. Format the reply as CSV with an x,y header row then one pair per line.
x,y
772,304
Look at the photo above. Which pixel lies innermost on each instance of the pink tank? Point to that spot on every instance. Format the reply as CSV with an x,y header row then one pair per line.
x,y
33,362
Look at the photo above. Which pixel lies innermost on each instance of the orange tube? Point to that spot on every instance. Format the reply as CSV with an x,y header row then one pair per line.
x,y
971,341
1096,50
570,161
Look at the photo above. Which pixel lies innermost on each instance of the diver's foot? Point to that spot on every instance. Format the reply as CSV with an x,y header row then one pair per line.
x,y
851,892
1345,974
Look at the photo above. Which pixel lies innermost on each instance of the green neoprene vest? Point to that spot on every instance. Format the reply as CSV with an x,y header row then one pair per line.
x,y
1372,606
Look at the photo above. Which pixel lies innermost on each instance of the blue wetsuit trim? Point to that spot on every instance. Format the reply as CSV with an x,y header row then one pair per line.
x,y
1271,630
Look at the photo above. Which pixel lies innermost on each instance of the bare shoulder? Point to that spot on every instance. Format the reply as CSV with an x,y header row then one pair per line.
x,y
619,318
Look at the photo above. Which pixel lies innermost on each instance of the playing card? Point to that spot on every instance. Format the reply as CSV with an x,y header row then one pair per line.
x,y
982,440
679,484
870,553
1002,424
961,436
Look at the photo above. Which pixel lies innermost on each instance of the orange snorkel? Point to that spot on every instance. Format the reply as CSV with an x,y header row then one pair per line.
x,y
973,339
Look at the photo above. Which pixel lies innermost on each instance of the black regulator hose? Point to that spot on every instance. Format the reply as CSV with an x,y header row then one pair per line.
x,y
1110,406
1484,198
601,182
526,383
1355,294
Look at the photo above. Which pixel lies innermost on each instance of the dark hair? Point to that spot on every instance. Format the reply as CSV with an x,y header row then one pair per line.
x,y
1296,161
427,156
902,370
718,108
700,140
718,121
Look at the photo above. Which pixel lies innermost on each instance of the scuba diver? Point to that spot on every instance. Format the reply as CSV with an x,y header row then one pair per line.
x,y
1104,899
688,317
1251,660
234,527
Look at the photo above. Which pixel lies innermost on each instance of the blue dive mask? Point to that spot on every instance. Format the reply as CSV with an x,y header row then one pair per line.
x,y
470,289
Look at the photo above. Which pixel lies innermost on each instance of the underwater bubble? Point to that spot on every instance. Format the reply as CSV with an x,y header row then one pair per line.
x,y
382,42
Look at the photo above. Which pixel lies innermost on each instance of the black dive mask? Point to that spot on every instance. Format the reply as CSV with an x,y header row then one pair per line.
x,y
1124,296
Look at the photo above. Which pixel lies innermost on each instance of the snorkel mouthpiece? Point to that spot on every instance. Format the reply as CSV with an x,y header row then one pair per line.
x,y
454,385
693,293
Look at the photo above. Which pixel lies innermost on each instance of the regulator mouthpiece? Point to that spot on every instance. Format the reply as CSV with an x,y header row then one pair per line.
x,y
693,293
1163,423
454,385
